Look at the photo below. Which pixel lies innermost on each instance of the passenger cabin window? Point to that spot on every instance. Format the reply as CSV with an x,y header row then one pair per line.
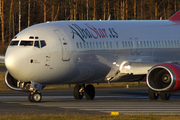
x,y
107,45
26,43
103,45
129,44
84,44
93,45
100,44
36,44
80,44
77,45
165,44
96,44
111,44
90,45
14,43
87,44
43,43
117,44
177,43
141,43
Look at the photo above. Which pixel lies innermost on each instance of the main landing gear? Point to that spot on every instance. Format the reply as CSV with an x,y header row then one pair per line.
x,y
81,90
35,96
154,95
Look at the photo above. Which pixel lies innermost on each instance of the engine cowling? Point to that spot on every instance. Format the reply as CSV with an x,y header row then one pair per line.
x,y
11,82
164,77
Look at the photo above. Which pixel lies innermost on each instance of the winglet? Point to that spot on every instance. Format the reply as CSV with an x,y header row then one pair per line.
x,y
175,17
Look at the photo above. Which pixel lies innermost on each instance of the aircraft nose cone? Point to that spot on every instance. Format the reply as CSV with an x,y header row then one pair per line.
x,y
15,62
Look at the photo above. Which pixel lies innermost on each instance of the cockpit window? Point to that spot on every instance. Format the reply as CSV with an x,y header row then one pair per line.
x,y
43,43
36,44
31,37
14,43
26,43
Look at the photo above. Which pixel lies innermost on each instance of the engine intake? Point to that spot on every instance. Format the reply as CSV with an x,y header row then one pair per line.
x,y
164,77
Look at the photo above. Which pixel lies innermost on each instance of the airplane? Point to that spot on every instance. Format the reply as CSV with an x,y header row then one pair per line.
x,y
100,51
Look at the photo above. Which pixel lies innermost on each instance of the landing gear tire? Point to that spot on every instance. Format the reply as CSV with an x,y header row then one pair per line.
x,y
165,96
89,92
30,98
35,97
78,92
153,95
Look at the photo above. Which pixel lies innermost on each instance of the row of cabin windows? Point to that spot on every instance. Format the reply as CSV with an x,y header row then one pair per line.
x,y
129,44
94,44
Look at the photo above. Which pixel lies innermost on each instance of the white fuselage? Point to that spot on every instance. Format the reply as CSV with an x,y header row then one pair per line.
x,y
86,51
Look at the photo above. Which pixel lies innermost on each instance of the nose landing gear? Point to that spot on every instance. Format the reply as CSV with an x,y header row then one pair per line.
x,y
35,96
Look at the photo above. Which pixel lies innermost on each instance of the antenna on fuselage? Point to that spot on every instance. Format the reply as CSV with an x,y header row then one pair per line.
x,y
109,17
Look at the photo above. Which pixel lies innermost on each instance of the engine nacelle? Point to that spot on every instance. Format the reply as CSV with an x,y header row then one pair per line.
x,y
11,82
164,77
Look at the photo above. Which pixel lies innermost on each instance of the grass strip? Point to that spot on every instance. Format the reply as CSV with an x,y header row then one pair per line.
x,y
89,117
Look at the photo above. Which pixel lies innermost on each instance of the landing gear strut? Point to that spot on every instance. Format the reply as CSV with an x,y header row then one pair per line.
x,y
35,97
80,90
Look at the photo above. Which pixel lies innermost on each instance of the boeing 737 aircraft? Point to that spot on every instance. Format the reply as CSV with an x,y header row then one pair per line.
x,y
85,52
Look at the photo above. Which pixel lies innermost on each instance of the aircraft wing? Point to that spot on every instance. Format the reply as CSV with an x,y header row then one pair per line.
x,y
136,68
2,58
127,70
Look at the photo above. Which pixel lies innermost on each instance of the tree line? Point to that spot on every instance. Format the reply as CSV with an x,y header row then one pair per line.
x,y
16,15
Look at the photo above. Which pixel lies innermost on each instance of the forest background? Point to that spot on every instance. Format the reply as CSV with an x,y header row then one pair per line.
x,y
16,15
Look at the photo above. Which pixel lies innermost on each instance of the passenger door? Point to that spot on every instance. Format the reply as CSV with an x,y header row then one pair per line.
x,y
65,45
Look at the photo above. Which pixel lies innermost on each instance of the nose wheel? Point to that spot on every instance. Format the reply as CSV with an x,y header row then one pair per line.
x,y
35,97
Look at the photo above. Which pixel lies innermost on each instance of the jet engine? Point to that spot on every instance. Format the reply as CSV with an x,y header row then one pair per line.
x,y
164,77
14,84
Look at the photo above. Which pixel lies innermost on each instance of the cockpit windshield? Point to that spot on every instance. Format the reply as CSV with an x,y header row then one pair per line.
x,y
41,44
37,43
14,43
26,43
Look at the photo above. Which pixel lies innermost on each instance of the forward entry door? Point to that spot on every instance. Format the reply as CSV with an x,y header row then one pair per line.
x,y
65,45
